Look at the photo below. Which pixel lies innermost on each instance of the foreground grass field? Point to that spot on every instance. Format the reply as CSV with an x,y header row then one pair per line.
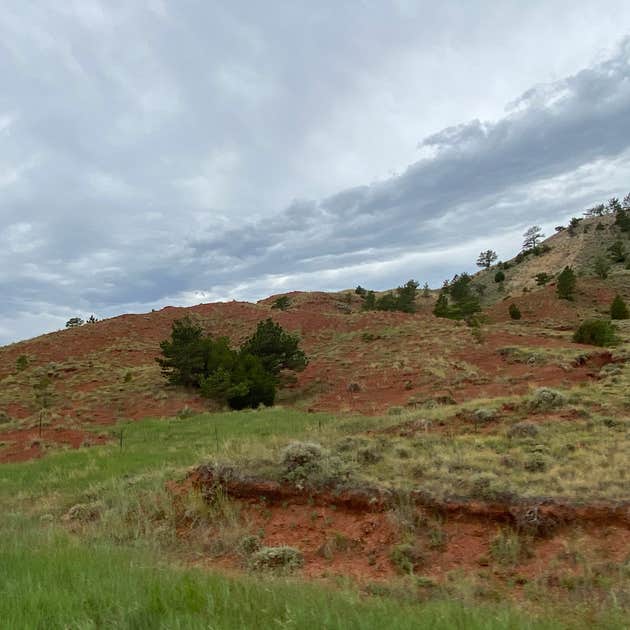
x,y
52,578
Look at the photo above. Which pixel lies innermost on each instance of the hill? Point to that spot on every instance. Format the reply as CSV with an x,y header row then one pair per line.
x,y
416,458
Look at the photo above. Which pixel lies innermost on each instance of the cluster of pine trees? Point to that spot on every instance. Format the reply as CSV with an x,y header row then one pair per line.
x,y
244,377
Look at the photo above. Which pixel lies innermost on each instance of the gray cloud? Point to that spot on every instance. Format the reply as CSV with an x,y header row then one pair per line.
x,y
147,149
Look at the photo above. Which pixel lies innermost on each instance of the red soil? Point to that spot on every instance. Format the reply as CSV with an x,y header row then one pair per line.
x,y
25,444
359,362
353,534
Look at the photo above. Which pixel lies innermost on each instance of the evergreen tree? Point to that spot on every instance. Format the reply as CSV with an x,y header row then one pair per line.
x,y
499,276
369,303
406,297
532,236
566,284
426,292
278,350
515,311
613,205
441,308
486,259
183,360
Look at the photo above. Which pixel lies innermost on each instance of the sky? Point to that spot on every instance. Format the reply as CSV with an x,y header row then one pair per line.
x,y
172,152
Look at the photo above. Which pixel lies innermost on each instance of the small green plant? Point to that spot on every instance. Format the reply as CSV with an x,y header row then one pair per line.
x,y
601,267
542,278
281,560
282,303
618,252
128,377
508,548
21,363
595,332
515,311
499,276
407,556
619,309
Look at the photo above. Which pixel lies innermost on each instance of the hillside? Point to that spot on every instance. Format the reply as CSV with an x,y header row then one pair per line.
x,y
415,458
368,362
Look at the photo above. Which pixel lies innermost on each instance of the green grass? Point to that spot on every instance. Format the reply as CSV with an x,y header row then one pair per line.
x,y
116,574
152,447
48,580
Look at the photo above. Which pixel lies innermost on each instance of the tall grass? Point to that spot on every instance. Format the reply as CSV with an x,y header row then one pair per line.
x,y
49,581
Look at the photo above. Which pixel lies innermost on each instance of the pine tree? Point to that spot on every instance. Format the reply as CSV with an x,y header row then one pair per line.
x,y
566,284
486,259
532,236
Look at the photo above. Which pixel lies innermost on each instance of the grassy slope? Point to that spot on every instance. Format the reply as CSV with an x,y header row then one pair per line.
x,y
51,579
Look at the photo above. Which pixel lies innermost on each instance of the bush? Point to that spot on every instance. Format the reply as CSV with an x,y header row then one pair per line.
x,y
499,276
515,312
299,454
21,363
545,398
601,267
276,559
619,309
406,557
542,278
282,303
523,430
596,332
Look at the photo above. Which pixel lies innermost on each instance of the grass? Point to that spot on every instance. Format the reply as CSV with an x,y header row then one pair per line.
x,y
50,578
49,581
153,446
122,570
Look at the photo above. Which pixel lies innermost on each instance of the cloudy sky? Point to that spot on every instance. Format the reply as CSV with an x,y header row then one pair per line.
x,y
158,152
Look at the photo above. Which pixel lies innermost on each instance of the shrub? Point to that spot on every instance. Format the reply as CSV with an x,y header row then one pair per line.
x,y
507,548
499,276
74,322
249,544
596,332
619,309
618,252
515,312
282,303
406,557
601,267
21,363
300,454
545,398
523,430
542,278
281,560
484,415
84,512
